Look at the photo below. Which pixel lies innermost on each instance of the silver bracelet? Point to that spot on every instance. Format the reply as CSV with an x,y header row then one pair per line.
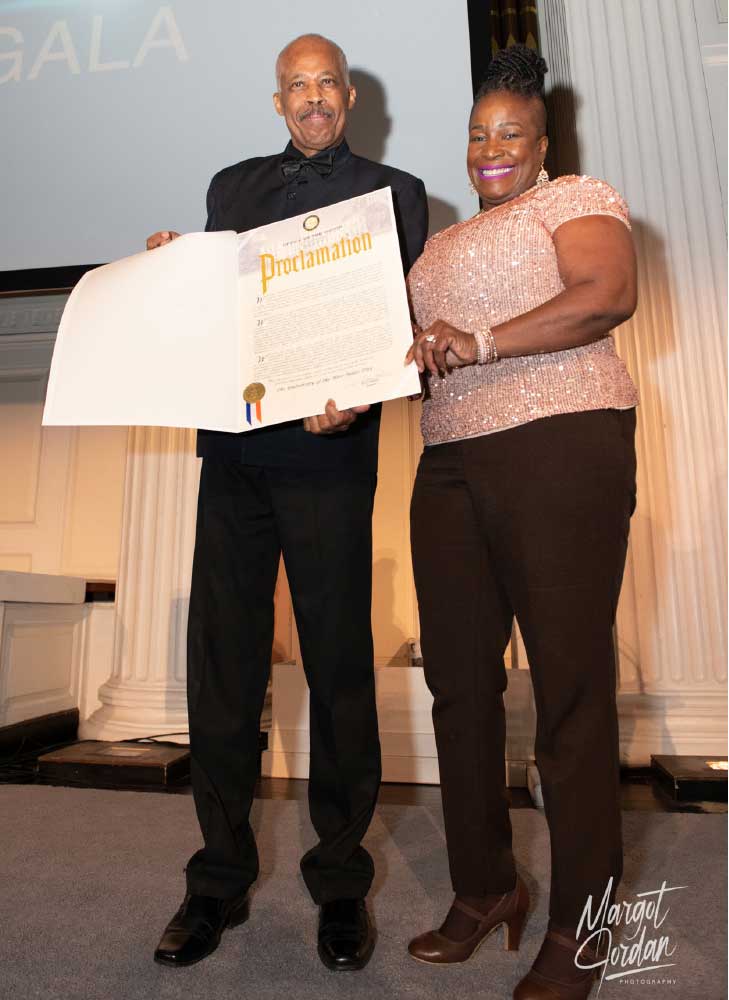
x,y
485,348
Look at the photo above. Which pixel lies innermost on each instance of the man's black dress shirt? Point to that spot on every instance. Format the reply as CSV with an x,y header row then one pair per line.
x,y
255,193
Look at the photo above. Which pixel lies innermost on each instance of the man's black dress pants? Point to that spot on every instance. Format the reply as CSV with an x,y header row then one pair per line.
x,y
321,521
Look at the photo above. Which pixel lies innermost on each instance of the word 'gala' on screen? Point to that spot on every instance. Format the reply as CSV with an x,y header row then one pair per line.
x,y
92,56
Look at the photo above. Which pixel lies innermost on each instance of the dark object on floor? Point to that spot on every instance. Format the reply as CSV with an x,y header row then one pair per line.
x,y
690,779
346,935
43,731
96,764
195,930
22,743
100,591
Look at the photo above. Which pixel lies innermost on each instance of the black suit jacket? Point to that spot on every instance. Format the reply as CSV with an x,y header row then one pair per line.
x,y
254,193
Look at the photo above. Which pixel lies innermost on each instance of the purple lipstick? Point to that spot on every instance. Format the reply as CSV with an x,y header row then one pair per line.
x,y
494,173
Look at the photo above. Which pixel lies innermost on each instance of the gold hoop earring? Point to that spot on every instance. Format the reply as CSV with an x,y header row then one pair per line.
x,y
542,177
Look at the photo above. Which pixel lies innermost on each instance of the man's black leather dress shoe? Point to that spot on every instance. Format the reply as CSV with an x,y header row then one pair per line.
x,y
346,935
194,931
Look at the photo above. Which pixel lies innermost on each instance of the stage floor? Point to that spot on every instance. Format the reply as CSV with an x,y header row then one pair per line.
x,y
90,877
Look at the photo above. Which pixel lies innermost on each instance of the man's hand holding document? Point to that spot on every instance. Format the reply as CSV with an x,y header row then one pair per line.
x,y
232,332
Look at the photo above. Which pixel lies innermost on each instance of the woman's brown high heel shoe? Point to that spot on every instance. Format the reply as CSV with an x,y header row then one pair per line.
x,y
510,910
536,986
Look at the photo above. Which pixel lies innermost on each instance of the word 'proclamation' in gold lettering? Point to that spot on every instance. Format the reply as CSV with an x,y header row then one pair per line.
x,y
273,267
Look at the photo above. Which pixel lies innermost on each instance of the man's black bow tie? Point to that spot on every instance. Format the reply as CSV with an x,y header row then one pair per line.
x,y
323,163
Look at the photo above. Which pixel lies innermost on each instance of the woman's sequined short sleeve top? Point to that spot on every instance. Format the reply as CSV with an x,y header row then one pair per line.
x,y
491,268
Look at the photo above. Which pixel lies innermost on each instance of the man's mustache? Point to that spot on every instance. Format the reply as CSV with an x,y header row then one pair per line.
x,y
318,110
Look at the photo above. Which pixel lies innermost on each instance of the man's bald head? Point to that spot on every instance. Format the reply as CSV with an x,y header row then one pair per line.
x,y
314,92
305,42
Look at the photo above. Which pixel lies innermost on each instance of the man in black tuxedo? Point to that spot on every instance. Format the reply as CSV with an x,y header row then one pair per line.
x,y
305,490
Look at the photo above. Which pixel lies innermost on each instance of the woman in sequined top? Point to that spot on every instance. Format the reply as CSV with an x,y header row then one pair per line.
x,y
521,508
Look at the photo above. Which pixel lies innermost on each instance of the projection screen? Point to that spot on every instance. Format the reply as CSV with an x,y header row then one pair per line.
x,y
116,113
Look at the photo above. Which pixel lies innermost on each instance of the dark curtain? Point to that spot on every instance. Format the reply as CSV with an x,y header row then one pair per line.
x,y
513,21
497,24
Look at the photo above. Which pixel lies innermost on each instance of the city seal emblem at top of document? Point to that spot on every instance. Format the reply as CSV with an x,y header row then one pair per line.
x,y
311,222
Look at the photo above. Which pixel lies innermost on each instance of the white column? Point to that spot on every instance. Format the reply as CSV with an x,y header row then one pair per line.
x,y
145,694
633,71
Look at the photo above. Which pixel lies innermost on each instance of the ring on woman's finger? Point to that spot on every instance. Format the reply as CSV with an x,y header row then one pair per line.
x,y
430,338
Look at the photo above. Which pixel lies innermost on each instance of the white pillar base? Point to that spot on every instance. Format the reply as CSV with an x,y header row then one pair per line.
x,y
131,711
145,693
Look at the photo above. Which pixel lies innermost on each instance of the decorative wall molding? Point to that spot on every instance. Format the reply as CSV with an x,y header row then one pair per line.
x,y
62,510
20,388
31,314
41,628
93,501
33,459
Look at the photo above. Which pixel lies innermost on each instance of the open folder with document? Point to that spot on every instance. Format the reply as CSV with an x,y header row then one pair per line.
x,y
230,332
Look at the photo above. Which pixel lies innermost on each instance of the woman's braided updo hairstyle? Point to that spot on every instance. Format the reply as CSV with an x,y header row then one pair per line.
x,y
518,70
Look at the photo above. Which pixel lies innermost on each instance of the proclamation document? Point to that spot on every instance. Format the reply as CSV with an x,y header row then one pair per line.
x,y
232,332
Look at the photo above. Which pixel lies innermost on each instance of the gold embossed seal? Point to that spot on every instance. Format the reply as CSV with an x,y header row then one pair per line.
x,y
254,392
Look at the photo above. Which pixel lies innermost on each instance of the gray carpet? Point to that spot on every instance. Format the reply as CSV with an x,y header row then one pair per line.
x,y
88,879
